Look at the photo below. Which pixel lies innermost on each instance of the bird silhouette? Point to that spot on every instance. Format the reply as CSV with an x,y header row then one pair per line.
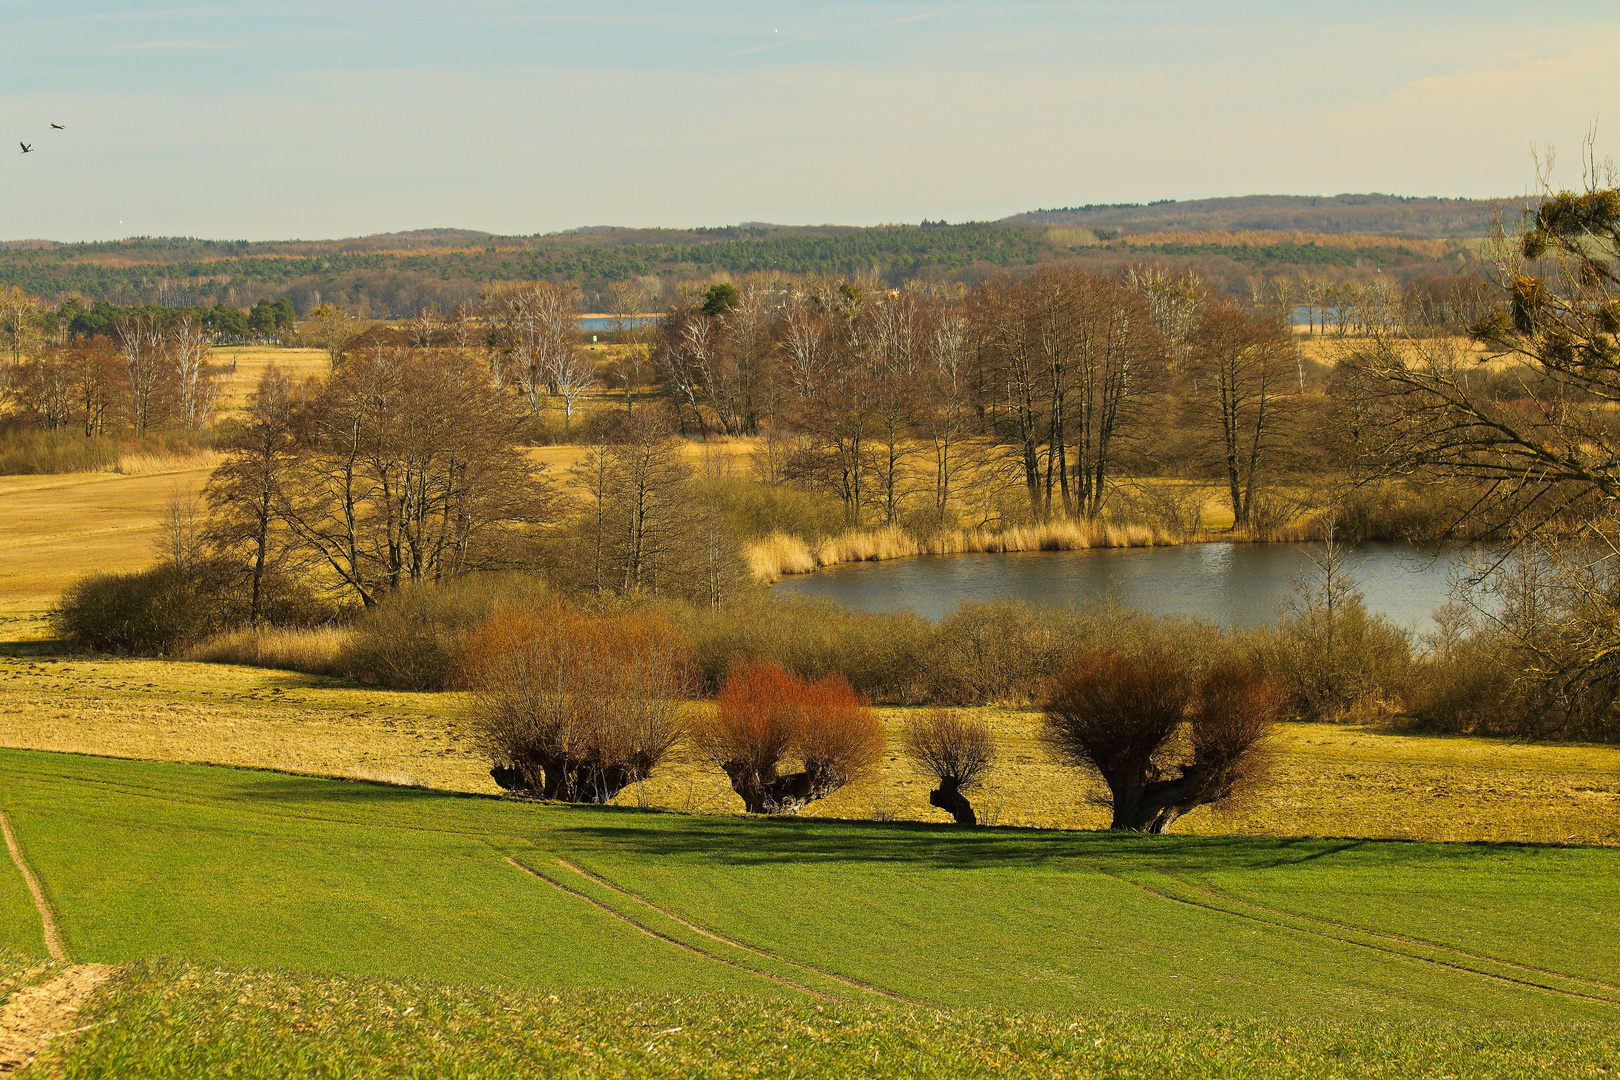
x,y
26,148
58,127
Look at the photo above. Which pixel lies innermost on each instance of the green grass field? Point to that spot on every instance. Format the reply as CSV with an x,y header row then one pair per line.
x,y
278,924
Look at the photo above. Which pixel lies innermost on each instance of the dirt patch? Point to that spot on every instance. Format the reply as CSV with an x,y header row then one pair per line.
x,y
36,1015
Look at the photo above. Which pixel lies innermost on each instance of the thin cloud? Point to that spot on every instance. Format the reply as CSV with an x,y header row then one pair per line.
x,y
831,35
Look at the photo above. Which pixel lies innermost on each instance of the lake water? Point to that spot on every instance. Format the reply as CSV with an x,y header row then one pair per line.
x,y
1227,584
597,324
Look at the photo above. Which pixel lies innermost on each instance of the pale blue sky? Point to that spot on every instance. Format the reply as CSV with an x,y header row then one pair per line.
x,y
343,118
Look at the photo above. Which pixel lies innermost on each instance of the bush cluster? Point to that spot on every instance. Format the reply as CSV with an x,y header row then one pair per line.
x,y
768,721
576,707
416,638
166,609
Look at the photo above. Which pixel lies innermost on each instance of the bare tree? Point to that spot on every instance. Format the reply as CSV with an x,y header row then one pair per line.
x,y
1547,438
535,332
643,520
185,344
1172,300
331,329
409,470
243,494
946,404
1162,742
181,541
147,373
957,752
1240,360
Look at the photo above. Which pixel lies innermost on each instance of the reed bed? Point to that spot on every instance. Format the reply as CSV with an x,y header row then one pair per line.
x,y
146,463
780,554
312,650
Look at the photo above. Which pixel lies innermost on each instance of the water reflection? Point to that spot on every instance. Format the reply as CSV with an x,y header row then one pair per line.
x,y
1228,584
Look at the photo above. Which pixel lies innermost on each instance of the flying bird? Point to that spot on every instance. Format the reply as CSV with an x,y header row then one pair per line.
x,y
26,148
58,127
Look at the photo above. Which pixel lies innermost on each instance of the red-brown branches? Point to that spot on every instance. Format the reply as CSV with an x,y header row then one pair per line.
x,y
768,719
576,707
1162,741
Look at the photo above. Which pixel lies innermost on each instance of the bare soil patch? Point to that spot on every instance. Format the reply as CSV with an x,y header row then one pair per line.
x,y
37,1014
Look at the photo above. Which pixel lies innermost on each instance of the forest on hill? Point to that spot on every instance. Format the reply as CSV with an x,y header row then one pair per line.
x,y
396,274
1371,213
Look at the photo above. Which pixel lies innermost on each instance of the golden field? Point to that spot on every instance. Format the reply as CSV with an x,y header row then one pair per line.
x,y
1327,780
54,529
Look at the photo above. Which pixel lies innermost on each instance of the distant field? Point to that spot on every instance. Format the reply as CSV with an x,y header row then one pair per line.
x,y
322,927
1330,780
250,362
55,529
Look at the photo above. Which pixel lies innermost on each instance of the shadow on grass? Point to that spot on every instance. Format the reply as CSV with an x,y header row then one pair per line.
x,y
754,842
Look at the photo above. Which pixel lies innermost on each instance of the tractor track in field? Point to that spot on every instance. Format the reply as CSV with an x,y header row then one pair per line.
x,y
1281,921
47,921
845,980
1405,939
44,1011
650,932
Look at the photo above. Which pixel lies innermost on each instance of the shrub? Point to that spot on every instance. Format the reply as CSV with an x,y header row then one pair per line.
x,y
414,638
997,653
27,452
576,707
1484,683
883,655
767,719
957,752
1336,658
1344,663
156,611
1162,741
173,606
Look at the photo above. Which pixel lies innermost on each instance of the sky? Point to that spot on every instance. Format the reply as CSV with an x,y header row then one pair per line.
x,y
336,119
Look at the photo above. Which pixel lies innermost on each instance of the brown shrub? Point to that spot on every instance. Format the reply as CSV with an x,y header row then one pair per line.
x,y
1162,741
414,639
767,718
957,752
576,707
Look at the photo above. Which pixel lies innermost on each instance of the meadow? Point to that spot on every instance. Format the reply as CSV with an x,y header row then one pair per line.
x,y
296,874
1328,780
361,929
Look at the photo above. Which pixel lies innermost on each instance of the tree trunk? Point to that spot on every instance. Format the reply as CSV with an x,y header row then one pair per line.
x,y
951,800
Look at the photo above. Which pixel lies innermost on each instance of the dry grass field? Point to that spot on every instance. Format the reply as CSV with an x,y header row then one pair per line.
x,y
1328,780
238,368
54,529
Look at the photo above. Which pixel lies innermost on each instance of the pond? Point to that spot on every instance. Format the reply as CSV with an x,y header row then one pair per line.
x,y
1228,584
595,324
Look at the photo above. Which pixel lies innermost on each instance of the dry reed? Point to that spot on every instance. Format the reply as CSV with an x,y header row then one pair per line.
x,y
148,464
779,554
314,650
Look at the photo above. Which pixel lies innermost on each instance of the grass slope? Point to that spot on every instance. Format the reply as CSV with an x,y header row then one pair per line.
x,y
171,1020
1330,780
345,929
20,933
261,869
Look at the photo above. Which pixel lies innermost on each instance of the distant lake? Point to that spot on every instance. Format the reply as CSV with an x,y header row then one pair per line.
x,y
597,324
1240,585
